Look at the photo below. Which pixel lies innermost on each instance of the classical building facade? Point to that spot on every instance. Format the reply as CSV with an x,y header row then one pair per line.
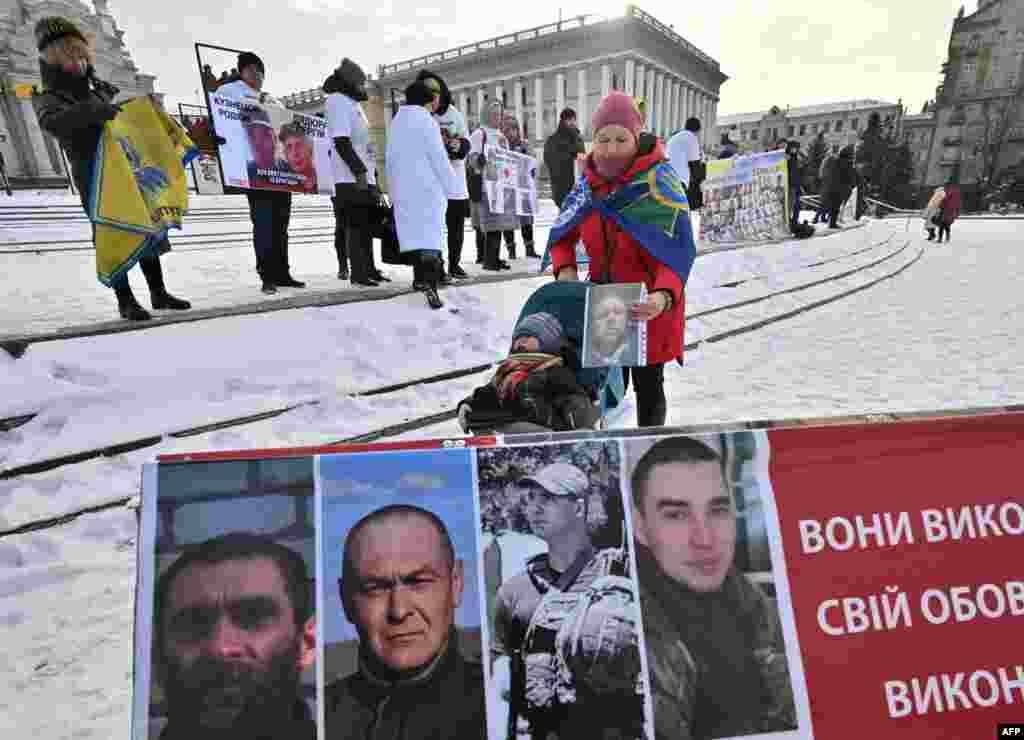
x,y
840,123
540,71
32,155
977,118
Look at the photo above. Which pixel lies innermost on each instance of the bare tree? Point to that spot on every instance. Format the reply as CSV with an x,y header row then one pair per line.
x,y
1000,117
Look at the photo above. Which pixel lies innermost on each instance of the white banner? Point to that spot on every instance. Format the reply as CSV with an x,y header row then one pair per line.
x,y
510,182
272,148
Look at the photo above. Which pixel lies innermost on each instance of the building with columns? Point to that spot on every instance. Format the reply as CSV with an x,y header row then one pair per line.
x,y
574,63
32,156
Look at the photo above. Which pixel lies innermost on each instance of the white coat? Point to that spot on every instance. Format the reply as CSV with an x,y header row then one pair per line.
x,y
420,178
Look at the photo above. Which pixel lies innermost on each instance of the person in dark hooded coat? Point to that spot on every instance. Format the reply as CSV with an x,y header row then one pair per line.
x,y
73,108
455,134
840,180
354,160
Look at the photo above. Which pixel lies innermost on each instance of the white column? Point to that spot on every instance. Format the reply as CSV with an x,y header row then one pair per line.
x,y
652,93
640,83
499,89
582,116
663,107
691,97
676,89
480,104
654,108
630,81
559,93
35,135
713,123
463,102
518,106
606,80
538,110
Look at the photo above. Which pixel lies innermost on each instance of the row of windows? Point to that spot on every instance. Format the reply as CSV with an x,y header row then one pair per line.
x,y
523,94
804,128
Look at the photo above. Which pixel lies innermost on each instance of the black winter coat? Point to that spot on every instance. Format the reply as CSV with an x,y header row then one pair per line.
x,y
560,152
73,110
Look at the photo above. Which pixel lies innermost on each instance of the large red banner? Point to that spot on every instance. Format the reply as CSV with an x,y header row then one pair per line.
x,y
903,549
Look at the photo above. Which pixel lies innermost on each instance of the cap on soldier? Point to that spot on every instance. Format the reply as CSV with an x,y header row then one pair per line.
x,y
559,479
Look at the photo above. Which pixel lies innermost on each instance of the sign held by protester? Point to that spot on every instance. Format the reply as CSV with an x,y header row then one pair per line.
x,y
746,199
510,182
610,337
272,148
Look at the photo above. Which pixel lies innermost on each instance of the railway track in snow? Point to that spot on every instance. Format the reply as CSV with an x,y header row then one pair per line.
x,y
898,267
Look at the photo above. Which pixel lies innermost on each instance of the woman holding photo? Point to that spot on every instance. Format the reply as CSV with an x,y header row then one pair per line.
x,y
488,222
635,234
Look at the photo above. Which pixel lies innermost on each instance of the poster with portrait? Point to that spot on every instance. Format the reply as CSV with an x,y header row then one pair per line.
x,y
746,199
226,605
272,148
510,182
400,557
848,214
610,337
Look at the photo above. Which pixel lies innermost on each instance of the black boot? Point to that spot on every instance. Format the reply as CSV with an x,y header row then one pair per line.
x,y
127,306
491,248
431,271
481,246
158,294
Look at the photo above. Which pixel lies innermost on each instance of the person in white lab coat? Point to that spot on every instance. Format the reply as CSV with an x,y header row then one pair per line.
x,y
421,180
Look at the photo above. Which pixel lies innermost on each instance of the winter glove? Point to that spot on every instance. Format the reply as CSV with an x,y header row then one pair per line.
x,y
464,411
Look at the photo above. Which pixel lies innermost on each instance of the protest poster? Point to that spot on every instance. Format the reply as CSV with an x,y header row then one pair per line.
x,y
746,199
272,148
610,337
510,181
798,579
848,214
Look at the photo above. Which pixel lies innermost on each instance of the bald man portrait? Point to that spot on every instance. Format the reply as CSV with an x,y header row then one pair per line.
x,y
400,586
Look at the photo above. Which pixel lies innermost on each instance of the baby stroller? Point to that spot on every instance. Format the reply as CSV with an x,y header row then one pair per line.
x,y
566,301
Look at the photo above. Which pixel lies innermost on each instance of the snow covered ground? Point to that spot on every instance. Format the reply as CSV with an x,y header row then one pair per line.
x,y
941,335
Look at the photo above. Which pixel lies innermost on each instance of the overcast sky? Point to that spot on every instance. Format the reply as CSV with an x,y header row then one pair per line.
x,y
775,53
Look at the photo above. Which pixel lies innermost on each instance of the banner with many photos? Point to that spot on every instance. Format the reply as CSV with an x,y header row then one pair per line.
x,y
510,182
746,199
808,579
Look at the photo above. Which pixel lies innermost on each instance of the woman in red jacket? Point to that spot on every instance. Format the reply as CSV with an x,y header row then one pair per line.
x,y
630,210
949,211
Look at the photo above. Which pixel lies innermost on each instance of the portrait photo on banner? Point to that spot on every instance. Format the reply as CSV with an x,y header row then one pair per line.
x,y
717,618
401,597
225,619
565,651
610,337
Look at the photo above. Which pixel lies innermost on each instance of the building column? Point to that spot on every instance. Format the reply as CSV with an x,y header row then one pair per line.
x,y
499,94
691,97
664,87
517,90
464,104
480,104
559,93
714,121
676,89
582,116
35,135
606,80
630,80
654,109
640,84
652,94
538,111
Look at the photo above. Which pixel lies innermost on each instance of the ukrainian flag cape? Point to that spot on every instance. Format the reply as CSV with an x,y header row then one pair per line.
x,y
139,189
652,208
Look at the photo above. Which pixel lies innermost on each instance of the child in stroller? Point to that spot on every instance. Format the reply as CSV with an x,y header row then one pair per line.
x,y
536,388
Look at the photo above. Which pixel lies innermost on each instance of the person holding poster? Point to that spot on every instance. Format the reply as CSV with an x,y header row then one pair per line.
x,y
422,181
401,585
715,650
74,108
487,219
635,234
270,211
355,166
234,629
455,135
513,135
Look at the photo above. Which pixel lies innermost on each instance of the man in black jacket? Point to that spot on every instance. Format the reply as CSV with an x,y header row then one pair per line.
x,y
560,152
401,584
794,176
74,108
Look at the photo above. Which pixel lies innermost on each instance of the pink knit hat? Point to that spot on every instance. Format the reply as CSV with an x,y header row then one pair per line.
x,y
617,109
